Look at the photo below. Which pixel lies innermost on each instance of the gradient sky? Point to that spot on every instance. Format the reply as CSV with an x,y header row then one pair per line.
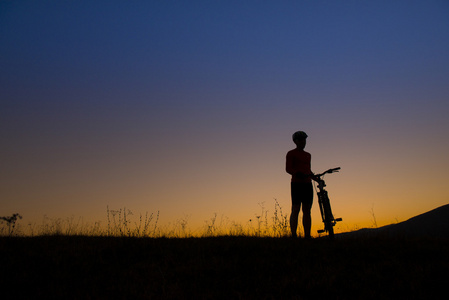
x,y
188,107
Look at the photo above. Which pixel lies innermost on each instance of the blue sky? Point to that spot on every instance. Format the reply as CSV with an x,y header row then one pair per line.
x,y
188,107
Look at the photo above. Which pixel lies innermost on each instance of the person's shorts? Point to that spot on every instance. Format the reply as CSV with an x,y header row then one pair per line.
x,y
302,193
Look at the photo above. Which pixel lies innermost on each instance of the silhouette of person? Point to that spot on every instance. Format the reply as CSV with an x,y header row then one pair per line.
x,y
298,164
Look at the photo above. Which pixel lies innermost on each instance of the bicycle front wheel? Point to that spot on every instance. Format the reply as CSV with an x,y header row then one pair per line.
x,y
331,231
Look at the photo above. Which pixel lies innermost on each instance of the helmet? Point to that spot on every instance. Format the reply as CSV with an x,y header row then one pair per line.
x,y
298,135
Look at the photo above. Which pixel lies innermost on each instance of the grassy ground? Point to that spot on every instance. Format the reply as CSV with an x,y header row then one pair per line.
x,y
77,267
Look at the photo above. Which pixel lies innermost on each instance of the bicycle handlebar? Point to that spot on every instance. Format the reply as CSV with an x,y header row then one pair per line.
x,y
328,171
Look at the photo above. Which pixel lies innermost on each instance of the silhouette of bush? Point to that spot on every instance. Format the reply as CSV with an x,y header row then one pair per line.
x,y
11,222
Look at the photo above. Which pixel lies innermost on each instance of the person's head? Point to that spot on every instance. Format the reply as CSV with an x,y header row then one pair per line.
x,y
299,138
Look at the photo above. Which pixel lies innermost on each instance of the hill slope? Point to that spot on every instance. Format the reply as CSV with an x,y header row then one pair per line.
x,y
432,224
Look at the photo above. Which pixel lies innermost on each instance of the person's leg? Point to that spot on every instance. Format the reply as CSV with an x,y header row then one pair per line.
x,y
306,219
294,218
306,209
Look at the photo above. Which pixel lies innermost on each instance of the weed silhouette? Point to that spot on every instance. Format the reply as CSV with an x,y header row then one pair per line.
x,y
11,222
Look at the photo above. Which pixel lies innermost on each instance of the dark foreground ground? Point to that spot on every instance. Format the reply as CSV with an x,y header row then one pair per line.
x,y
61,267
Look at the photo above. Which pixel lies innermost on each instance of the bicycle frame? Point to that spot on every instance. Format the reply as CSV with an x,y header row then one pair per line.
x,y
325,206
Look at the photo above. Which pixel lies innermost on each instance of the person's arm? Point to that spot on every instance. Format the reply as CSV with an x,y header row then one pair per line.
x,y
312,175
289,165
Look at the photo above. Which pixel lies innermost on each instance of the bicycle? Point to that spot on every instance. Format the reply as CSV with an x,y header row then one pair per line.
x,y
325,205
